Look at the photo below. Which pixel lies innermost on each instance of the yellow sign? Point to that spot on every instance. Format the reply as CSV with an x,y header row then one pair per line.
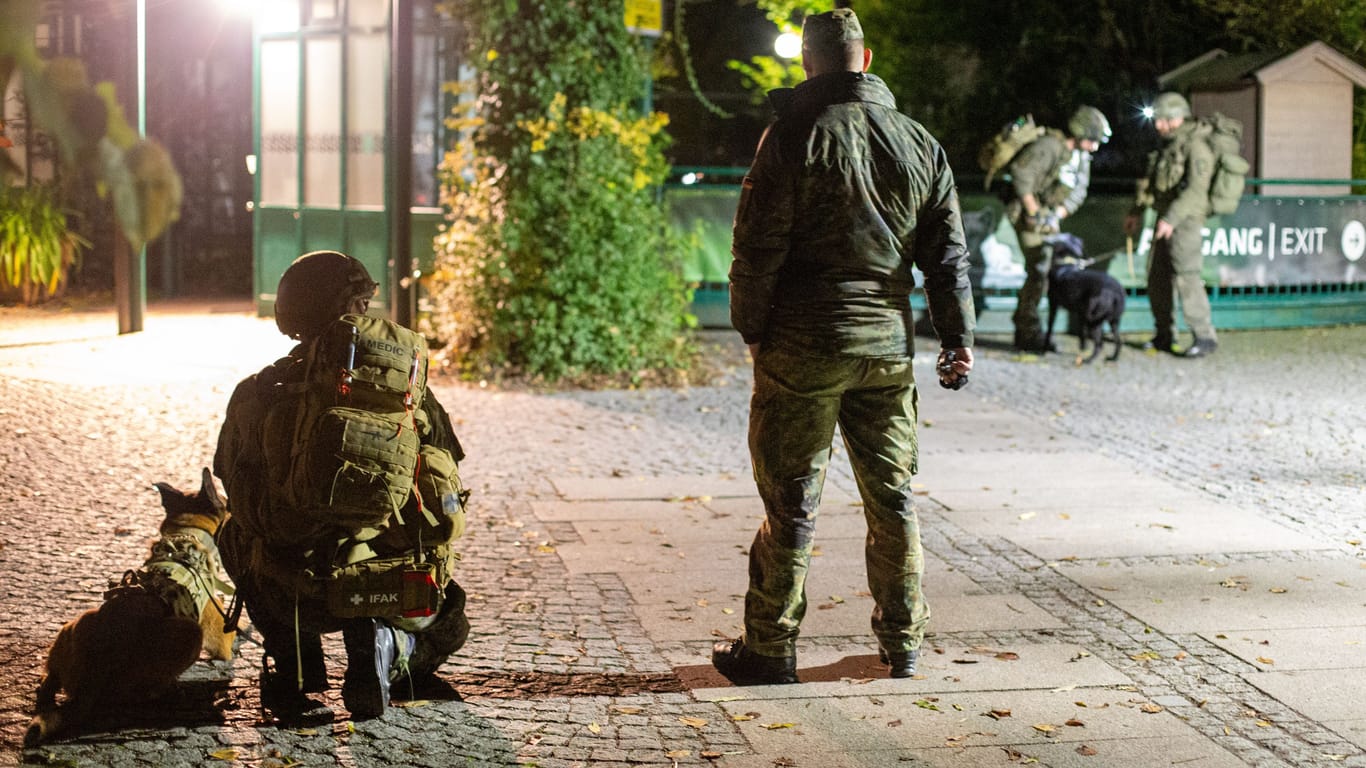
x,y
645,17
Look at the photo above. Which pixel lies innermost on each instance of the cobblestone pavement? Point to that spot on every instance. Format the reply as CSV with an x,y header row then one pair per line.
x,y
558,671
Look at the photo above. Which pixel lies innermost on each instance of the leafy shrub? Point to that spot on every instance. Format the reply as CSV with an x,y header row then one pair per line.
x,y
555,261
37,250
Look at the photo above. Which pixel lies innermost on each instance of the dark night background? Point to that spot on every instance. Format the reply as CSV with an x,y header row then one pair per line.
x,y
963,68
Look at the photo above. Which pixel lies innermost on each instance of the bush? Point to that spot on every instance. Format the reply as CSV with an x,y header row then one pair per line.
x,y
37,250
556,262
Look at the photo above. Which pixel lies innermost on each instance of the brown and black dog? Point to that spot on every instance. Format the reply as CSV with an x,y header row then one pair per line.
x,y
152,625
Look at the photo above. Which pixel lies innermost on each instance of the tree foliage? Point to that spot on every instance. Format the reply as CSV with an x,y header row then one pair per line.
x,y
89,128
967,67
555,261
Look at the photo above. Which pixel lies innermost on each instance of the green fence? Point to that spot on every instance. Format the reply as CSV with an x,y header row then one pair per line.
x,y
1276,262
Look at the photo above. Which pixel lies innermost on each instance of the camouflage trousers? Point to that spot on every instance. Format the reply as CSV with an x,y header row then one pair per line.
x,y
1174,268
797,402
1036,263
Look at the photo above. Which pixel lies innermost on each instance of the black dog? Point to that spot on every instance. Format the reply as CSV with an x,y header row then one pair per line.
x,y
1091,298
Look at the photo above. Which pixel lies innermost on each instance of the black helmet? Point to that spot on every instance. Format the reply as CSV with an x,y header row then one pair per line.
x,y
1089,123
317,289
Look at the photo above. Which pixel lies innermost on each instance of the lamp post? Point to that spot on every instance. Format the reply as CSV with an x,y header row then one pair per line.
x,y
130,266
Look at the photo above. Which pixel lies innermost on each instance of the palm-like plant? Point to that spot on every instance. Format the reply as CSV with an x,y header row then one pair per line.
x,y
37,249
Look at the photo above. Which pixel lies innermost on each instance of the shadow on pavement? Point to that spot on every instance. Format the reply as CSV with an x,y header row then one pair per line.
x,y
521,685
865,667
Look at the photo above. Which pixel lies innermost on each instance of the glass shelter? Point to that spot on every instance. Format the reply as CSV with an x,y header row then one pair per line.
x,y
324,159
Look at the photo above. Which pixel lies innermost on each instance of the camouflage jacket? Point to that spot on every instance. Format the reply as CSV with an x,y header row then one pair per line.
x,y
1179,175
1051,171
845,195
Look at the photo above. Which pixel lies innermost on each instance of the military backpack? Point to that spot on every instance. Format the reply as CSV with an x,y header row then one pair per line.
x,y
354,450
1001,148
1225,138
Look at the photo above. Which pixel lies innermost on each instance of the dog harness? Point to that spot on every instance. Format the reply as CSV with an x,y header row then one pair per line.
x,y
182,571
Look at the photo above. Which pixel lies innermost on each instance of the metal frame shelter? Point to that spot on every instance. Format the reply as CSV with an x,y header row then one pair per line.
x,y
334,81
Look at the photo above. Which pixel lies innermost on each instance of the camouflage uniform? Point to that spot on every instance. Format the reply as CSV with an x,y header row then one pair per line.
x,y
844,195
1177,188
1055,175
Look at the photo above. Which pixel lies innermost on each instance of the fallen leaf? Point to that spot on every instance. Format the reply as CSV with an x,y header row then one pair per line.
x,y
678,753
1263,723
1086,751
1045,728
744,717
224,754
695,722
1150,708
1180,655
708,754
1265,660
1146,656
1075,723
728,611
894,724
595,728
1278,590
997,714
1008,656
776,726
926,704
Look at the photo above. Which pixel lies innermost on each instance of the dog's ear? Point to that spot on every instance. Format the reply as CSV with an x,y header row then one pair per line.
x,y
209,491
169,493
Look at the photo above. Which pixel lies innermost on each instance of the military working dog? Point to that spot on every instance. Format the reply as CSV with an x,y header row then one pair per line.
x,y
1092,299
152,625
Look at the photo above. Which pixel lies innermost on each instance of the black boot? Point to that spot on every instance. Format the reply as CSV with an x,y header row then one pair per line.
x,y
899,663
742,666
372,651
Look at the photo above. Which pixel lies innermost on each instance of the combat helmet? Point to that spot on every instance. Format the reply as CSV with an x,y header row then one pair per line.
x,y
317,289
1089,123
1170,105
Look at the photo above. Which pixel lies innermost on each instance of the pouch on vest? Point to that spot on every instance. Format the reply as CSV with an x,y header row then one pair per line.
x,y
385,587
443,497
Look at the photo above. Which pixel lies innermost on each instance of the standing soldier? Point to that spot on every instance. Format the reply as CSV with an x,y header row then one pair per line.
x,y
1177,188
1049,179
844,196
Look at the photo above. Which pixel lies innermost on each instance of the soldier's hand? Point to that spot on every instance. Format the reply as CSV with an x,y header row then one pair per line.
x,y
953,367
1163,229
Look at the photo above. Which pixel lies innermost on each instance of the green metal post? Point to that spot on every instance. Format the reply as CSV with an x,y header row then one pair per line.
x,y
130,283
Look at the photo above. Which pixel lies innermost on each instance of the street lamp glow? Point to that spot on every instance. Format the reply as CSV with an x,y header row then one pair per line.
x,y
788,45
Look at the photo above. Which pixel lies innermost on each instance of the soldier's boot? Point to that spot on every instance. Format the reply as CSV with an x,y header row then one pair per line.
x,y
375,654
284,692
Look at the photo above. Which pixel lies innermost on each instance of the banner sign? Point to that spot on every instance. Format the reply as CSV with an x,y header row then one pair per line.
x,y
1284,241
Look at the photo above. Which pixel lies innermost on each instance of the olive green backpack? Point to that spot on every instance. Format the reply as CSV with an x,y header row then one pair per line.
x,y
355,449
1001,148
1225,138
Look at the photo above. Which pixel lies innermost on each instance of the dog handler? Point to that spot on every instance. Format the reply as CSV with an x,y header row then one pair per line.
x,y
275,551
844,195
